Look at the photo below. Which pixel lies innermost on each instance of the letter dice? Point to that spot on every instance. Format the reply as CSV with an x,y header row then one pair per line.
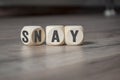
x,y
55,35
32,35
74,35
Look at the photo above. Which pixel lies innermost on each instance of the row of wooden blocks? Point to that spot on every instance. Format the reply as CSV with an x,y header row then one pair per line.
x,y
54,35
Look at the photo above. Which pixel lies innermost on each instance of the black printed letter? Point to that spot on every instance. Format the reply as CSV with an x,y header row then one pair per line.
x,y
55,36
74,35
37,36
25,39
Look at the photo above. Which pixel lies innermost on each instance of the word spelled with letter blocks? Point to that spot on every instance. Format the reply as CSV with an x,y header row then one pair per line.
x,y
54,35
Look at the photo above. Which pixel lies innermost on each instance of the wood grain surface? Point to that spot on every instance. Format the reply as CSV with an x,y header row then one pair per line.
x,y
97,59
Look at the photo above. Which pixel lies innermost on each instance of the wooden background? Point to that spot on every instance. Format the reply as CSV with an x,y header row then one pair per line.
x,y
97,59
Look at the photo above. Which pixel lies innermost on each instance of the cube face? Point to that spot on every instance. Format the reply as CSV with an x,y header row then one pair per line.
x,y
74,35
32,35
55,35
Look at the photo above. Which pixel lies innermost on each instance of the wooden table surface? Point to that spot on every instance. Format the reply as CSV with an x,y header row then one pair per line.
x,y
97,59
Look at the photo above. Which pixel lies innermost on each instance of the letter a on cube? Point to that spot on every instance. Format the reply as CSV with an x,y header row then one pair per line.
x,y
74,35
55,35
32,35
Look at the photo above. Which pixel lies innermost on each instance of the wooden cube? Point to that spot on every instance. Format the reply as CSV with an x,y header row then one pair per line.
x,y
32,35
74,35
55,35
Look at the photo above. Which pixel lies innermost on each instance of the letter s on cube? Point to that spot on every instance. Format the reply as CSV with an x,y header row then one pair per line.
x,y
32,35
